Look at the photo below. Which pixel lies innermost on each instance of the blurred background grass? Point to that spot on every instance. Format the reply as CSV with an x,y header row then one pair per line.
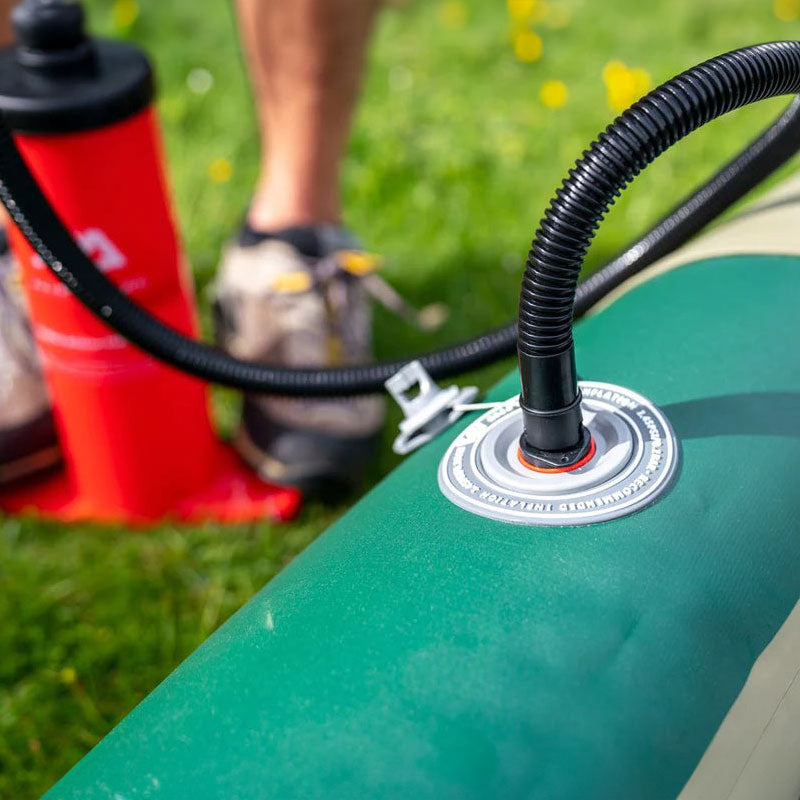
x,y
472,112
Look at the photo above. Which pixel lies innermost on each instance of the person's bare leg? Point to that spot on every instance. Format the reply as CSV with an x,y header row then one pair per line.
x,y
305,59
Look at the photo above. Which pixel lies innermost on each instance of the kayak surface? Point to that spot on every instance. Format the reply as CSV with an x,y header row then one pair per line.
x,y
417,650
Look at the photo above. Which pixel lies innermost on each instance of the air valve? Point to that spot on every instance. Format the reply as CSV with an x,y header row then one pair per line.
x,y
631,460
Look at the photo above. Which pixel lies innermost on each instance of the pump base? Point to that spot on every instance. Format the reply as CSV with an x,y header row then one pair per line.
x,y
232,494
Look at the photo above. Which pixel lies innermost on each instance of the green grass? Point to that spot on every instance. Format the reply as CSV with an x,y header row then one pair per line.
x,y
452,160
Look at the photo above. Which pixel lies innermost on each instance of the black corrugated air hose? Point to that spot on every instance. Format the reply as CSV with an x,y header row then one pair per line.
x,y
550,397
47,235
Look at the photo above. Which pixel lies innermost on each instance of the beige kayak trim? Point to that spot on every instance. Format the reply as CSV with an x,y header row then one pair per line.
x,y
770,226
755,754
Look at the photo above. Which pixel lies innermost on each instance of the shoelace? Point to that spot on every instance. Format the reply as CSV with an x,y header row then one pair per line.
x,y
365,266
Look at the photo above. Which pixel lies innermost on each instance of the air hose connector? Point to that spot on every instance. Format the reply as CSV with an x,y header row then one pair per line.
x,y
554,435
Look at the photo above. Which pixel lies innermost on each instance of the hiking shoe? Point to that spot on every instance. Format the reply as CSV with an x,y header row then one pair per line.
x,y
296,298
28,442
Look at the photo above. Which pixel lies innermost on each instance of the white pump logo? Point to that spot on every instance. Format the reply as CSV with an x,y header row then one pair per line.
x,y
96,244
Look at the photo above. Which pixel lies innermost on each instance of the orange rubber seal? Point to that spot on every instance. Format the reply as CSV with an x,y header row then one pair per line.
x,y
551,470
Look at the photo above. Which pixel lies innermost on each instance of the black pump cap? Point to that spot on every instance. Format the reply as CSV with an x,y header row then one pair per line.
x,y
58,80
49,25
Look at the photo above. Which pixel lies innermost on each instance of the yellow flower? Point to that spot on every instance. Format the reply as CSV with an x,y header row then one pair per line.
x,y
68,676
642,81
124,13
453,13
527,11
554,94
220,170
520,10
613,69
624,86
787,10
528,46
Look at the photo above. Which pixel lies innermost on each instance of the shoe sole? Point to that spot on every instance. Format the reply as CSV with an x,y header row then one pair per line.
x,y
30,465
28,449
340,470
